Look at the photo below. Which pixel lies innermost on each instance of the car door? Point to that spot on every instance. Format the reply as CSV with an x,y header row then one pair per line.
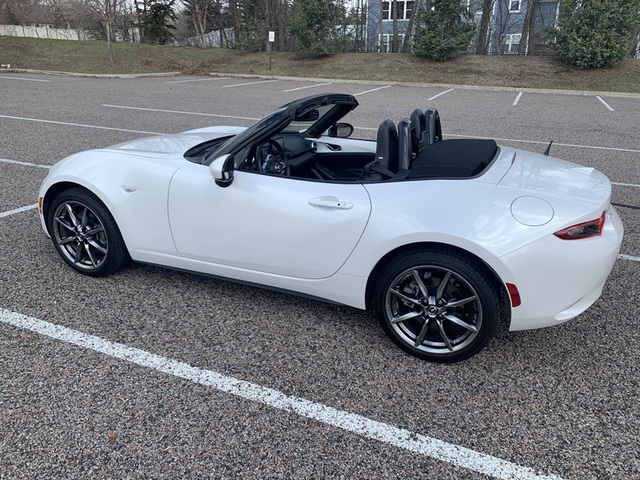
x,y
271,224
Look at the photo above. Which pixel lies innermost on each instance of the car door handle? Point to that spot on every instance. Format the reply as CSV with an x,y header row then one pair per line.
x,y
330,202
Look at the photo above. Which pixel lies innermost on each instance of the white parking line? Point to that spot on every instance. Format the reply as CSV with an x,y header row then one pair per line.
x,y
26,79
515,102
308,86
372,90
625,184
538,142
629,257
249,83
440,94
180,112
26,164
629,150
605,103
357,424
80,125
18,210
199,80
555,144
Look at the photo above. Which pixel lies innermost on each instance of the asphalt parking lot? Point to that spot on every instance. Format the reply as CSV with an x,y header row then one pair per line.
x,y
153,373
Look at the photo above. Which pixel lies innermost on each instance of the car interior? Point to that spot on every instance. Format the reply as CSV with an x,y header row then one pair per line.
x,y
414,149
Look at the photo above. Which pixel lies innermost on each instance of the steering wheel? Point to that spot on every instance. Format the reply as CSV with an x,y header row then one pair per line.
x,y
273,164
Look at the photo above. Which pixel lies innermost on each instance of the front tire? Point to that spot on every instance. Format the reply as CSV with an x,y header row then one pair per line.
x,y
437,304
85,234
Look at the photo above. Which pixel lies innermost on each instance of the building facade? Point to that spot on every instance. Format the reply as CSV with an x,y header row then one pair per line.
x,y
505,25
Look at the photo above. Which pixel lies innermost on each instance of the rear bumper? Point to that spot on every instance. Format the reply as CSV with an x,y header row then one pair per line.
x,y
560,279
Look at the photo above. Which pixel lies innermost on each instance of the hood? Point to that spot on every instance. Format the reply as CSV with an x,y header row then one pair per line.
x,y
176,144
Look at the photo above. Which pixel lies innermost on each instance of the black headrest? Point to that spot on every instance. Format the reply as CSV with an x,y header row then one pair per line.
x,y
406,135
420,124
387,146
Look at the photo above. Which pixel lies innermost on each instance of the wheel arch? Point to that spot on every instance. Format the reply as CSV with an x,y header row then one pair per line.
x,y
57,188
397,252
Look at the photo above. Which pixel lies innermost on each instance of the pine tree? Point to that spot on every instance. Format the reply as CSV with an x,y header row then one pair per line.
x,y
443,30
154,23
596,33
318,26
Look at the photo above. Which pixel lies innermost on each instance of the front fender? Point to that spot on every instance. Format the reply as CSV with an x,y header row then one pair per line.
x,y
133,190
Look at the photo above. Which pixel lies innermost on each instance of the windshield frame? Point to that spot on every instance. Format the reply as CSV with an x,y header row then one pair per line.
x,y
278,120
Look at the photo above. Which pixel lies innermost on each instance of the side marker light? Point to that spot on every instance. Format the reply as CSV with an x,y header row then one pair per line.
x,y
514,294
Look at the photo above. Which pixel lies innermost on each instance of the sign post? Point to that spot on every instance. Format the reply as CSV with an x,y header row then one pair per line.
x,y
272,38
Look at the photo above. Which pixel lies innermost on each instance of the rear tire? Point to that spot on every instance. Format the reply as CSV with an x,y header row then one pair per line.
x,y
85,234
437,304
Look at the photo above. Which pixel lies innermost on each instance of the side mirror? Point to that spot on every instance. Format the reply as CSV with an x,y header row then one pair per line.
x,y
341,130
222,170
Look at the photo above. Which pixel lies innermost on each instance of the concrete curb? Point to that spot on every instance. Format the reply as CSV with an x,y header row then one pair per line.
x,y
588,93
92,75
583,93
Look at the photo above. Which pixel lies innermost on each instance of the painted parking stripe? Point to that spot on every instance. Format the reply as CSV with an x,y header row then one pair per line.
x,y
180,112
440,94
39,120
515,102
305,87
371,91
248,83
18,210
630,150
605,103
625,184
358,424
199,80
629,257
538,142
26,164
26,79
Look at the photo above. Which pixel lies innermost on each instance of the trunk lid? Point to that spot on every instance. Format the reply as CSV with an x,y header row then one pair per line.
x,y
543,175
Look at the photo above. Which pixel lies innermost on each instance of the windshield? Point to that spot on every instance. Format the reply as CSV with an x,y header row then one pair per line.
x,y
310,116
251,132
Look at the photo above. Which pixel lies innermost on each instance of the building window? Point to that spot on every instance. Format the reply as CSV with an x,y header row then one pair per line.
x,y
510,42
514,5
386,39
403,10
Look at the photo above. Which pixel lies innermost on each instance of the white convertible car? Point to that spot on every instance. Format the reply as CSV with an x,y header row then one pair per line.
x,y
443,239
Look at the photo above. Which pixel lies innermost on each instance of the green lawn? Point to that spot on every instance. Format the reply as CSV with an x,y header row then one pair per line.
x,y
506,71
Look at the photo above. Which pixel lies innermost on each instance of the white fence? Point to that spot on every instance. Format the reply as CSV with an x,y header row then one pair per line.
x,y
43,31
212,39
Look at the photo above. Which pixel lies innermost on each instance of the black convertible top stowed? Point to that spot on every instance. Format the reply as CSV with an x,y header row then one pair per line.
x,y
459,158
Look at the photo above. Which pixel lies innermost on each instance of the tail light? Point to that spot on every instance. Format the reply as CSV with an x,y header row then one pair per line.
x,y
583,230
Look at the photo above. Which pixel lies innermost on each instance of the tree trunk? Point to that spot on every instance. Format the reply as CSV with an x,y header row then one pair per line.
x,y
199,13
394,17
381,34
406,45
526,40
483,31
235,19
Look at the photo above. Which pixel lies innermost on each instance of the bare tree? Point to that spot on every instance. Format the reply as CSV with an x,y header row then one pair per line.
x,y
483,31
527,39
381,41
394,18
408,34
107,11
199,15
